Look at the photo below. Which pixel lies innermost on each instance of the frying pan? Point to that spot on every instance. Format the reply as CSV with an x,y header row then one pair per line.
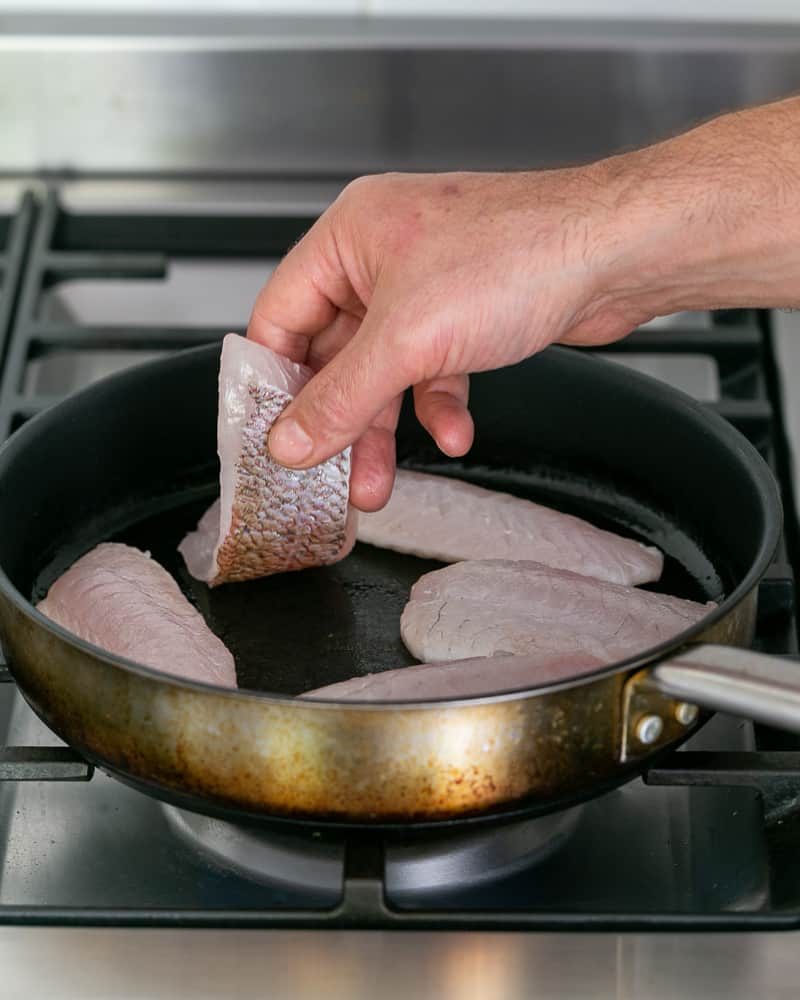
x,y
134,458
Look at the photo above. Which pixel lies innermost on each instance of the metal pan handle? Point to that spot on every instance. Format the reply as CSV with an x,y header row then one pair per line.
x,y
728,679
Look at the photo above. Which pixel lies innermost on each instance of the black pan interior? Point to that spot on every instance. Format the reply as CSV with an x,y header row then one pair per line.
x,y
295,632
133,459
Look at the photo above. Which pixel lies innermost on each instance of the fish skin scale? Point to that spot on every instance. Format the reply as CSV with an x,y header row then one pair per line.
x,y
280,519
281,500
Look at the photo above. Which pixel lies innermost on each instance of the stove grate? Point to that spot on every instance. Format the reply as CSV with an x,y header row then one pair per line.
x,y
15,230
66,246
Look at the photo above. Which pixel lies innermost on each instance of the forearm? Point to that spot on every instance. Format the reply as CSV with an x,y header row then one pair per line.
x,y
710,219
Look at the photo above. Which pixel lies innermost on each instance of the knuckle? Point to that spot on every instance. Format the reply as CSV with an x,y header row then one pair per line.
x,y
360,188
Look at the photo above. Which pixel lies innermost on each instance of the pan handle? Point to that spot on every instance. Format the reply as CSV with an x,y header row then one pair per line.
x,y
728,679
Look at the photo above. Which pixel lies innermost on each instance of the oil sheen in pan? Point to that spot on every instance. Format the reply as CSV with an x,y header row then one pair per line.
x,y
296,631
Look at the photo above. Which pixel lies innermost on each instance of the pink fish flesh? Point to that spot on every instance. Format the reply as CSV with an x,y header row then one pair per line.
x,y
481,608
457,679
446,519
121,600
268,519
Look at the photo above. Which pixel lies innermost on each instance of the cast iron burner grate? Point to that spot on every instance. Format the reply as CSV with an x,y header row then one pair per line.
x,y
44,244
67,246
15,232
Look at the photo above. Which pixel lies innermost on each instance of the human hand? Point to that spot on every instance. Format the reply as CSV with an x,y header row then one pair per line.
x,y
418,280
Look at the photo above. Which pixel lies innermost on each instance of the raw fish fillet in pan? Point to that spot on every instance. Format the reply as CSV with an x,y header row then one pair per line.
x,y
450,520
268,519
457,678
121,600
491,606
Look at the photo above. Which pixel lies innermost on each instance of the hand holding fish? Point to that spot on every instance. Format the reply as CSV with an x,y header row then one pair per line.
x,y
418,280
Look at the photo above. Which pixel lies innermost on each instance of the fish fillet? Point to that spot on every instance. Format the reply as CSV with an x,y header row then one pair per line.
x,y
446,519
121,600
457,679
268,519
491,606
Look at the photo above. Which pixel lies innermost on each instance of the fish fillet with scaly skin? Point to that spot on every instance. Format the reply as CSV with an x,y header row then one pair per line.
x,y
269,519
121,600
468,678
446,519
492,606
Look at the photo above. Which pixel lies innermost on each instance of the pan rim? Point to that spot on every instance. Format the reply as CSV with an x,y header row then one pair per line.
x,y
725,432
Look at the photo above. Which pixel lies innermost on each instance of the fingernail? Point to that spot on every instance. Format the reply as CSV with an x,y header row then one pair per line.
x,y
288,443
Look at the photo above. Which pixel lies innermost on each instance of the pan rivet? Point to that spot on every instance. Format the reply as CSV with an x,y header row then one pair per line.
x,y
685,713
649,728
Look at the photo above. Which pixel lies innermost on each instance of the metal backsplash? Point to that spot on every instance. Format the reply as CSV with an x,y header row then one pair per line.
x,y
343,96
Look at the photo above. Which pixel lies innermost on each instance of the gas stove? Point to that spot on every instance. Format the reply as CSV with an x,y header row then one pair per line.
x,y
704,841
185,155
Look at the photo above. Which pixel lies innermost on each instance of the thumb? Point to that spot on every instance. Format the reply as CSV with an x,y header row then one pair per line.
x,y
341,401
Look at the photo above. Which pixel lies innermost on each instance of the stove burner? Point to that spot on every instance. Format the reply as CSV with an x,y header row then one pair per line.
x,y
313,864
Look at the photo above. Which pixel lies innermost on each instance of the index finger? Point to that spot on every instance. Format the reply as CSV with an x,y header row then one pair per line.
x,y
303,295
